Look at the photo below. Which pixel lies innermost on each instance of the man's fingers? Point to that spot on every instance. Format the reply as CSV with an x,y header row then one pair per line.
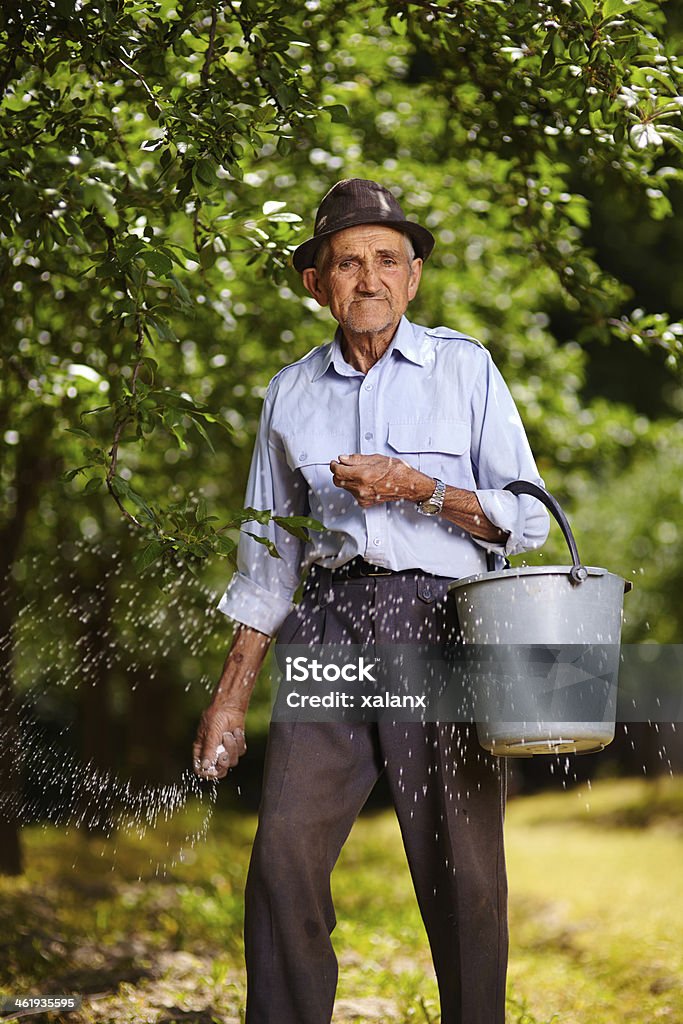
x,y
229,756
219,743
347,462
241,741
235,745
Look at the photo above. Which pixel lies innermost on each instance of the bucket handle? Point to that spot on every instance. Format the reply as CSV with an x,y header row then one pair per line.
x,y
578,572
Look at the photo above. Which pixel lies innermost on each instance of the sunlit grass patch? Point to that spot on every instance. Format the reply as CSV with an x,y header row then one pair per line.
x,y
597,911
145,933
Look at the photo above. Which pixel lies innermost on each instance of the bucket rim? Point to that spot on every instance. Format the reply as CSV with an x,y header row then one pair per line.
x,y
533,570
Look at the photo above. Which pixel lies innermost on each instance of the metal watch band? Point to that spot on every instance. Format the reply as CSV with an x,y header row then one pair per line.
x,y
433,505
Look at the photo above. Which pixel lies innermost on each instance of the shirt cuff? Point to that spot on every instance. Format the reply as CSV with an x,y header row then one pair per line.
x,y
247,602
523,518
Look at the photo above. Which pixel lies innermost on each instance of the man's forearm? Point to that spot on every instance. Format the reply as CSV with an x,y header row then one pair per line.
x,y
373,479
247,653
462,508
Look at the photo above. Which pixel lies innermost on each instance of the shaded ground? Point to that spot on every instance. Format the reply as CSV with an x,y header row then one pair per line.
x,y
596,881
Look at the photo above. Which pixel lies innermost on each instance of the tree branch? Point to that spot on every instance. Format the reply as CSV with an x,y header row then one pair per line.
x,y
206,69
121,425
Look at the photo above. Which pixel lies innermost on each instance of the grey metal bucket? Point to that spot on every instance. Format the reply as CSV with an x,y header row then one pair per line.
x,y
541,648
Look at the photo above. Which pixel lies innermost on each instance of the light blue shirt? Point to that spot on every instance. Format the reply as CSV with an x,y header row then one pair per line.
x,y
434,399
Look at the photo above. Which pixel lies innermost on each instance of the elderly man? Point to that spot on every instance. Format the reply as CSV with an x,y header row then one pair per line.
x,y
399,439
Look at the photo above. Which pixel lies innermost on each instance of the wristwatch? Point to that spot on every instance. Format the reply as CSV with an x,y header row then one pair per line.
x,y
433,505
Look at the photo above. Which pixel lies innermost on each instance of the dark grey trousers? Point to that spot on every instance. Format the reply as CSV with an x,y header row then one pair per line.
x,y
449,799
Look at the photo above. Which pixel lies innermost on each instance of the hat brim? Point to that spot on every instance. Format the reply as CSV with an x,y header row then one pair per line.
x,y
423,240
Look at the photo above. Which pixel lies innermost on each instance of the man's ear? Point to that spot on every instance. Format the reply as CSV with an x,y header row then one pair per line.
x,y
415,277
314,284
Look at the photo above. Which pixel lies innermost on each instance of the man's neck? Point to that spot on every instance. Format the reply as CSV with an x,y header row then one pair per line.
x,y
362,351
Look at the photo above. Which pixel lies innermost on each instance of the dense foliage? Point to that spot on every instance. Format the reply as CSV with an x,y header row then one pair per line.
x,y
154,151
161,159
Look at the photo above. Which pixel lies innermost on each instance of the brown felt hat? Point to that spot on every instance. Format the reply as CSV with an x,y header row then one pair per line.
x,y
356,201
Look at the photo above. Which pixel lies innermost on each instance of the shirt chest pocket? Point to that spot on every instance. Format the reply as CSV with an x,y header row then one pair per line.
x,y
439,448
312,454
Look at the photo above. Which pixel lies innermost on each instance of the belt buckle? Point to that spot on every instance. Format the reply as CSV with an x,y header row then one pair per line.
x,y
376,570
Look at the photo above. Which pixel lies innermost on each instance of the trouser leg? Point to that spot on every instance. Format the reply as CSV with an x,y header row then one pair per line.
x,y
448,798
448,795
318,776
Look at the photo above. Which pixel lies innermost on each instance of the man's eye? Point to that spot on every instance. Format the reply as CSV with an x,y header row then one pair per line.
x,y
388,262
346,265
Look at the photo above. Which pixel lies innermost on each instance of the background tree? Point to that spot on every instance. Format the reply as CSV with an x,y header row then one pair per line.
x,y
160,161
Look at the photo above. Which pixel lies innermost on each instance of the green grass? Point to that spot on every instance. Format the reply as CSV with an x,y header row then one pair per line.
x,y
596,910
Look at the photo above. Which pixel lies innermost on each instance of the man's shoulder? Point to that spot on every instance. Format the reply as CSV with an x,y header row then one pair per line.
x,y
452,347
449,334
307,365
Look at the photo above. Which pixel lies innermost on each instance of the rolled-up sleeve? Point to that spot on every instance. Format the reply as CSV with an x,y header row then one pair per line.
x,y
500,454
260,593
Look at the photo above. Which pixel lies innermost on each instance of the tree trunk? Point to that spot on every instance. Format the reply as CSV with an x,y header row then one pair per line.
x,y
11,861
34,468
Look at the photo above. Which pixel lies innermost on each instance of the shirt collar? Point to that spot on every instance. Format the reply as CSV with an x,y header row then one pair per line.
x,y
407,340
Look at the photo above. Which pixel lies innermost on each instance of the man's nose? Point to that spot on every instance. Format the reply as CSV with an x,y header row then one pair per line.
x,y
368,278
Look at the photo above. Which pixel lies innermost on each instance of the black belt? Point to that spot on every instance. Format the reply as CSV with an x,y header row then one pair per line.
x,y
358,569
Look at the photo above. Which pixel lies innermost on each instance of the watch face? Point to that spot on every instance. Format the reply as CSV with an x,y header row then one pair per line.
x,y
432,506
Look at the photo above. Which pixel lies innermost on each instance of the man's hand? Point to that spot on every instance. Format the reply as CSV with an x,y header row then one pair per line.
x,y
222,723
374,479
218,727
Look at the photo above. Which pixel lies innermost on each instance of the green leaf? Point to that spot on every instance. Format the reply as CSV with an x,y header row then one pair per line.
x,y
204,174
399,25
298,526
640,76
163,328
176,430
225,545
672,134
582,119
548,62
72,473
207,256
588,6
558,45
612,8
93,485
158,263
577,49
578,212
182,291
338,112
272,550
201,429
262,516
148,555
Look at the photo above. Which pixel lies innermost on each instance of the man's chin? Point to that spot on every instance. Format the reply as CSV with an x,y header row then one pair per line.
x,y
368,324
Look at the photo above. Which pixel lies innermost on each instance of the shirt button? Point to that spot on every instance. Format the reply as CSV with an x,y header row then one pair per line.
x,y
377,542
302,456
368,435
368,387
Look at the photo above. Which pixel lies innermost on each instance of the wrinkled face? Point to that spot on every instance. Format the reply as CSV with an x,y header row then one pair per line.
x,y
367,279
